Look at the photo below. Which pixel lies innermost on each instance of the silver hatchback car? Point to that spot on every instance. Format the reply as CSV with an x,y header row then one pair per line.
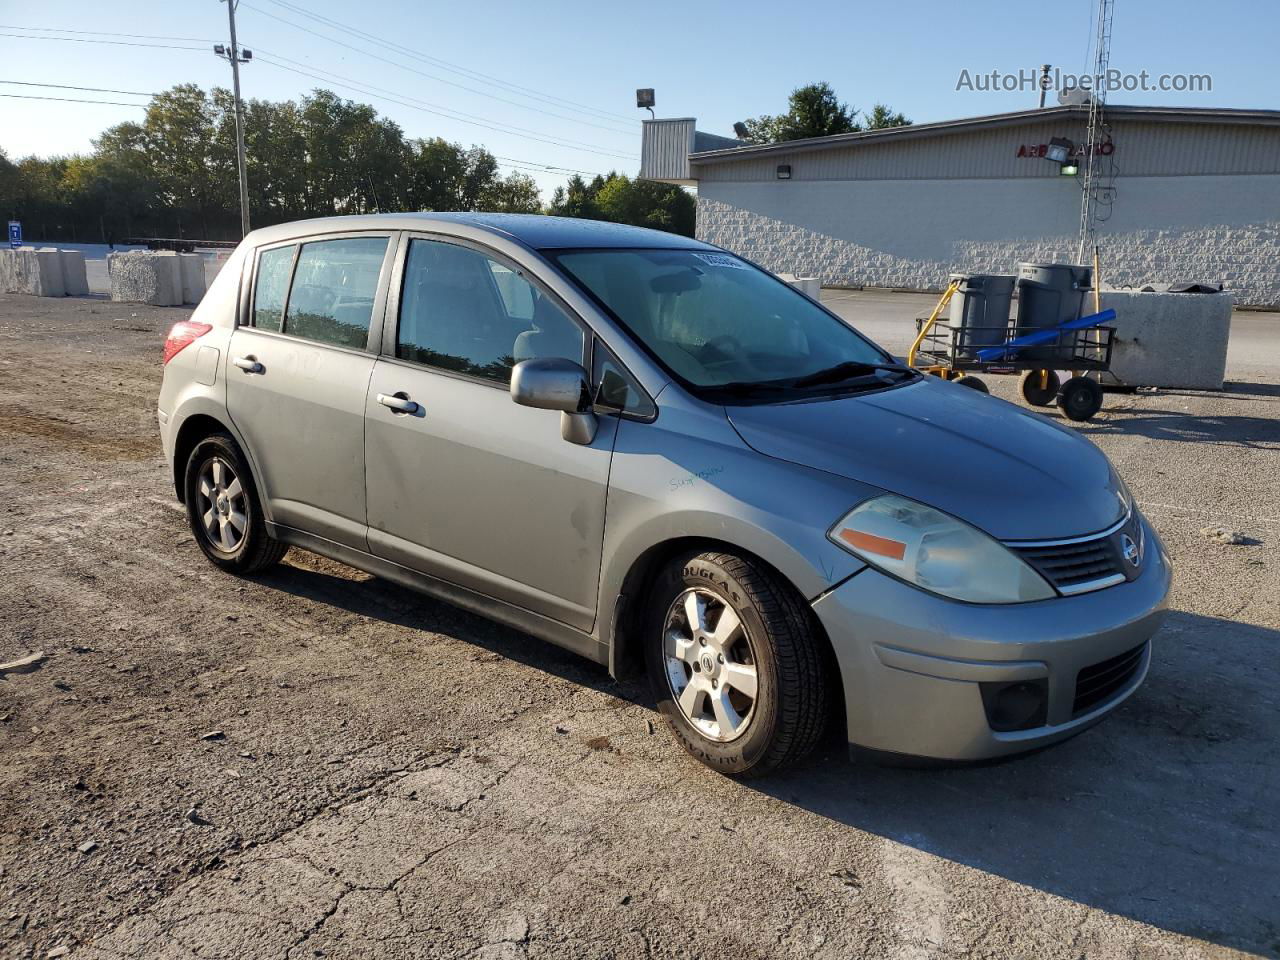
x,y
658,455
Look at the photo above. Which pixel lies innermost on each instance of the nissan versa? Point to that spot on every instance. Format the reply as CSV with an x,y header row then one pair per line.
x,y
652,452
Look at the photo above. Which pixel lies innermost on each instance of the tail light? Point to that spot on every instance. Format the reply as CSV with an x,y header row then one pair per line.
x,y
183,334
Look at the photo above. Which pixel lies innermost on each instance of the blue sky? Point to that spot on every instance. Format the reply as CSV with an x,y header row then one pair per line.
x,y
718,61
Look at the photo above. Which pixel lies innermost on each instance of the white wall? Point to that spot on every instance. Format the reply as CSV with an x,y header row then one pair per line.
x,y
912,233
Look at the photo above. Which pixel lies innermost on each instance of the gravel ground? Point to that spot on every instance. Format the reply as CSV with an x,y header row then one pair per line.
x,y
315,763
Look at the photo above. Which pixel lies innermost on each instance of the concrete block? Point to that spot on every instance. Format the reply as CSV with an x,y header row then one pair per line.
x,y
810,286
15,265
49,273
191,267
75,279
1169,339
145,277
213,266
30,271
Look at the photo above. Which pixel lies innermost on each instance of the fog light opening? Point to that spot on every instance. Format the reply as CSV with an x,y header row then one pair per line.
x,y
1021,705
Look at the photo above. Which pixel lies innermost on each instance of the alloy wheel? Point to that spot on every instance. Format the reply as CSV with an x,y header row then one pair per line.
x,y
710,664
222,506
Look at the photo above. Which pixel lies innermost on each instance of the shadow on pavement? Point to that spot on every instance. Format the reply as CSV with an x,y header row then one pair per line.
x,y
1165,813
1259,432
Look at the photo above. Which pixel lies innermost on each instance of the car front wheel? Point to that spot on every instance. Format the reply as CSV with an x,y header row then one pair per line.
x,y
735,663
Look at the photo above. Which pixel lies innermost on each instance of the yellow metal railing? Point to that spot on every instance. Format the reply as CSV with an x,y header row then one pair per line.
x,y
947,294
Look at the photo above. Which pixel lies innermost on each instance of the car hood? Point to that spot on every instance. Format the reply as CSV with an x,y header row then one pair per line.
x,y
1015,474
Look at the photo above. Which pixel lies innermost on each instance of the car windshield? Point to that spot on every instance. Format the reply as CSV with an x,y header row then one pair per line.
x,y
725,327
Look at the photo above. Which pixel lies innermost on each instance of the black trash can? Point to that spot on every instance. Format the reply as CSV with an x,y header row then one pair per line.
x,y
980,311
1049,294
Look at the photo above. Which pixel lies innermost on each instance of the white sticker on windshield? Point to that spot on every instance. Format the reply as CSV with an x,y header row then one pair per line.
x,y
722,260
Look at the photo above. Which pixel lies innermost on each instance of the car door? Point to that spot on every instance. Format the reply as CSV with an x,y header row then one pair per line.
x,y
467,486
300,368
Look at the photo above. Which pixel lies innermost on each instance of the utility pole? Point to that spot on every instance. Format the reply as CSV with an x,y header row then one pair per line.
x,y
1097,105
234,55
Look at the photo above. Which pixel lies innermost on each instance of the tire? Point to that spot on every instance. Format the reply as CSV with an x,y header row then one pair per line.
x,y
1080,398
218,485
973,383
1036,395
775,650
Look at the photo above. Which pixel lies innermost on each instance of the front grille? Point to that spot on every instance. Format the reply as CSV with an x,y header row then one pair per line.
x,y
1100,682
1072,565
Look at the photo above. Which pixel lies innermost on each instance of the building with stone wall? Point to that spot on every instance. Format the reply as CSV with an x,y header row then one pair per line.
x,y
1185,195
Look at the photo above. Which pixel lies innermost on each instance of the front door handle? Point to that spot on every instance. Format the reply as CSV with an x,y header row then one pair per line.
x,y
399,402
248,364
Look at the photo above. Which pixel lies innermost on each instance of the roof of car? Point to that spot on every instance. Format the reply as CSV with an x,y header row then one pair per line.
x,y
531,229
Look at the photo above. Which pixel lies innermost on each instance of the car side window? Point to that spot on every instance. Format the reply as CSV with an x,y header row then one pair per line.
x,y
518,296
334,283
615,388
271,286
464,311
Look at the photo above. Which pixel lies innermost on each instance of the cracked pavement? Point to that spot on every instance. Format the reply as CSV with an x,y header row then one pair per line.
x,y
397,778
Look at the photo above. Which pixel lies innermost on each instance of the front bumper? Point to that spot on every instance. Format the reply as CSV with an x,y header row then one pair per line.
x,y
912,662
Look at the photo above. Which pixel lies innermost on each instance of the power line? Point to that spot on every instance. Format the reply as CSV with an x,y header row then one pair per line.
x,y
114,43
63,86
453,67
104,33
449,114
550,168
111,103
431,76
512,162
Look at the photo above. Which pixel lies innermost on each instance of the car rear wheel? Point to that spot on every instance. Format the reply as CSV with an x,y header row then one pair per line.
x,y
223,508
735,664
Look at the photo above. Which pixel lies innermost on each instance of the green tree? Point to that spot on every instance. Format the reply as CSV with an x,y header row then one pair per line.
x,y
577,198
882,117
517,193
175,173
815,111
178,135
122,177
617,198
8,185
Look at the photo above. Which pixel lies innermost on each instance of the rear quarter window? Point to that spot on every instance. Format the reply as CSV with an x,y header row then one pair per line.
x,y
271,286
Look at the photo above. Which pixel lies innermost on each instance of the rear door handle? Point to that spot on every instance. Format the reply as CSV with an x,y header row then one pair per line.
x,y
398,402
248,365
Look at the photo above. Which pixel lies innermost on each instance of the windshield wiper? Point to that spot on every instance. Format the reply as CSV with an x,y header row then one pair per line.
x,y
750,388
849,370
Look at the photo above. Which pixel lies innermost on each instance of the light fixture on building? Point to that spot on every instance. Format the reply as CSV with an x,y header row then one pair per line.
x,y
784,171
1059,150
1069,169
645,100
740,130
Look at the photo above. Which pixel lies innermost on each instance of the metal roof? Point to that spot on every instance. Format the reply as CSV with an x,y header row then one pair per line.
x,y
530,229
944,127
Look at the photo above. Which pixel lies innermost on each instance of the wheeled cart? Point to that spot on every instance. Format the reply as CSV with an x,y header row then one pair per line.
x,y
955,348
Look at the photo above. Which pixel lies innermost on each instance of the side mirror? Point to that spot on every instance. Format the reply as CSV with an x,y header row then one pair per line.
x,y
554,383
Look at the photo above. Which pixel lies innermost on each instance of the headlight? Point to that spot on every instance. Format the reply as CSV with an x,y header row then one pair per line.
x,y
936,552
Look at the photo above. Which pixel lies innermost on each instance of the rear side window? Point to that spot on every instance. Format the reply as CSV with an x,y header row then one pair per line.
x,y
334,284
272,284
463,311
